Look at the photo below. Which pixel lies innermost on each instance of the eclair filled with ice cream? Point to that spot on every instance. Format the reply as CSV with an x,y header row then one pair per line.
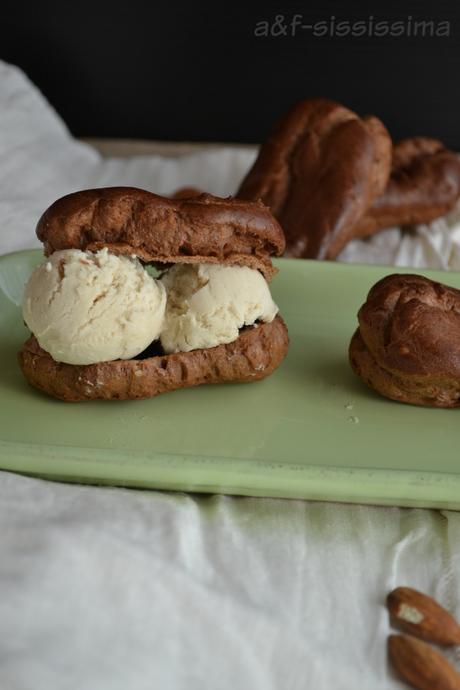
x,y
104,328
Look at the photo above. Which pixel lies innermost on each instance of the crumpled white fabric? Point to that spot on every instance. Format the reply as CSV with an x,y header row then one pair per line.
x,y
436,245
113,588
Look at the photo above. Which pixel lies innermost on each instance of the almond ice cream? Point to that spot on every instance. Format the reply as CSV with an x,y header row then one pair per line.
x,y
208,304
86,307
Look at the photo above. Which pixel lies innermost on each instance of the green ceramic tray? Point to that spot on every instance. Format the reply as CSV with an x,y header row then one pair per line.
x,y
311,430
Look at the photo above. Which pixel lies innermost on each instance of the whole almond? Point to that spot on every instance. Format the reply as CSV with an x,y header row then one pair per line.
x,y
420,665
420,615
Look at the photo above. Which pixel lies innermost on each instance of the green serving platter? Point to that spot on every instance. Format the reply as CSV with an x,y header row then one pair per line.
x,y
312,430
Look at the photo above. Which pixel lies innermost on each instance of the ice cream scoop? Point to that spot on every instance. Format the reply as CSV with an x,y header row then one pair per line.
x,y
209,303
86,307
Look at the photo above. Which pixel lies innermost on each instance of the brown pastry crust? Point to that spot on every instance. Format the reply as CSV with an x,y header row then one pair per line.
x,y
186,193
424,184
319,171
126,220
407,343
255,354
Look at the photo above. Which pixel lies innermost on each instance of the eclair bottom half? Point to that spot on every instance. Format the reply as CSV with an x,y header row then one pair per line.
x,y
255,354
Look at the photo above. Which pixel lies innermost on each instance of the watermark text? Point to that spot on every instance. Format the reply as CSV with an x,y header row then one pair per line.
x,y
336,27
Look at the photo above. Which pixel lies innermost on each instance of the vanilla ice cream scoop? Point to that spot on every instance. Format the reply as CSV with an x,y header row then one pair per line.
x,y
208,304
86,307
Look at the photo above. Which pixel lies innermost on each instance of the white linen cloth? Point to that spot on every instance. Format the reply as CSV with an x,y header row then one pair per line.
x,y
112,589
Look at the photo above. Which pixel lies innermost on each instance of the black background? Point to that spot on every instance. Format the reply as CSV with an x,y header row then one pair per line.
x,y
196,71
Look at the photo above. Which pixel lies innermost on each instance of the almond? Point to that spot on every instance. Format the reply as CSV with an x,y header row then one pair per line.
x,y
420,615
420,665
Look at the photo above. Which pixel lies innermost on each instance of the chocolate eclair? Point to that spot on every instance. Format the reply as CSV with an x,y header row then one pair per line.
x,y
407,344
331,177
103,328
424,184
319,171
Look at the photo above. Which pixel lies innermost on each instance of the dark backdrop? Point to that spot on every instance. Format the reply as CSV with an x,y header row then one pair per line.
x,y
197,71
